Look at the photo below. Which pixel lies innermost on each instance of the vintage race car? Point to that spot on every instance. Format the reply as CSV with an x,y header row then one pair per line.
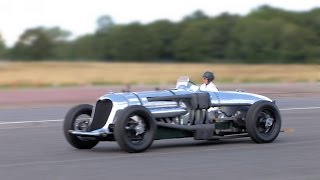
x,y
136,119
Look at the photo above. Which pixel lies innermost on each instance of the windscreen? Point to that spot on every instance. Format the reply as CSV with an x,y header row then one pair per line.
x,y
185,83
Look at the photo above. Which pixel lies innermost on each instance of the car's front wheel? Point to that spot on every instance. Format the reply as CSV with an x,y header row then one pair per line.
x,y
78,119
263,122
135,129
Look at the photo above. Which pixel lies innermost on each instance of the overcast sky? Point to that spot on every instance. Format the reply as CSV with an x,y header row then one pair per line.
x,y
79,16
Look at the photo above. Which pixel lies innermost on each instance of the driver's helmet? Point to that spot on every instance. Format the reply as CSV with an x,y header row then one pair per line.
x,y
208,75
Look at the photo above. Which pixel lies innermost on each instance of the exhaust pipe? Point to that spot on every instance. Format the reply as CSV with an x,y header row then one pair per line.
x,y
168,112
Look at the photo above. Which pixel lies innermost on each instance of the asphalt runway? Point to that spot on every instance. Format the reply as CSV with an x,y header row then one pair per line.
x,y
33,147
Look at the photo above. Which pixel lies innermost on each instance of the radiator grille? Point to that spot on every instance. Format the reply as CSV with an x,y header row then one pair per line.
x,y
101,114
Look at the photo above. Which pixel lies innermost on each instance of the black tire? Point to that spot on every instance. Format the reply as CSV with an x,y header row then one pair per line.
x,y
257,117
69,124
124,131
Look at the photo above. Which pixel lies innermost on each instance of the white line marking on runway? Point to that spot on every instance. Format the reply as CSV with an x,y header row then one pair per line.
x,y
290,109
60,120
24,122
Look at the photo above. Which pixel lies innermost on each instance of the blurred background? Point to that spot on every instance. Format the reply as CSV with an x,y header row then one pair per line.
x,y
44,43
55,54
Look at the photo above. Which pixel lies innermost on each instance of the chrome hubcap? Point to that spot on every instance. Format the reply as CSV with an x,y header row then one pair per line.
x,y
265,122
136,129
269,123
81,124
139,126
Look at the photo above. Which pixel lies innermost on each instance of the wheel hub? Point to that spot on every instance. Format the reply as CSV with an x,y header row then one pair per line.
x,y
139,127
266,122
269,122
81,124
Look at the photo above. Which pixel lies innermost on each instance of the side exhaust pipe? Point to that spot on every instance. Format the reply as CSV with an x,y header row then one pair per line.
x,y
168,112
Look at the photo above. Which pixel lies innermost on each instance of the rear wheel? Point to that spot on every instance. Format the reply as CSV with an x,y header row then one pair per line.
x,y
135,129
263,122
78,119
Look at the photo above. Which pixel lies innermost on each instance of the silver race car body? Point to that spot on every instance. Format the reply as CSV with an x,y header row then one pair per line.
x,y
181,112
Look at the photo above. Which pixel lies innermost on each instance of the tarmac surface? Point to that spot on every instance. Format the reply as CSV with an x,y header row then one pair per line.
x,y
33,147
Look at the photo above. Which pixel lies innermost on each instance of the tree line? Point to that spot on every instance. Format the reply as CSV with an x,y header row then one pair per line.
x,y
266,35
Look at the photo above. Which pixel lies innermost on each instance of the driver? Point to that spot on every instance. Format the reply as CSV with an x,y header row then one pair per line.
x,y
208,85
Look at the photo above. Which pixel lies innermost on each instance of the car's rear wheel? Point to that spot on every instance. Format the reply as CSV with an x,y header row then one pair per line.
x,y
78,119
135,129
263,122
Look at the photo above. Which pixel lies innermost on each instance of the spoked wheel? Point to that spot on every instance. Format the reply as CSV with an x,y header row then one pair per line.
x,y
78,119
135,129
263,122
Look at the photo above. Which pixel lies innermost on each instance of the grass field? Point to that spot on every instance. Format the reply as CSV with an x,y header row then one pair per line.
x,y
38,74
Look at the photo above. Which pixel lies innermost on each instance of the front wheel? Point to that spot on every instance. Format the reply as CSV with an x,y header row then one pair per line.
x,y
135,129
263,122
78,119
